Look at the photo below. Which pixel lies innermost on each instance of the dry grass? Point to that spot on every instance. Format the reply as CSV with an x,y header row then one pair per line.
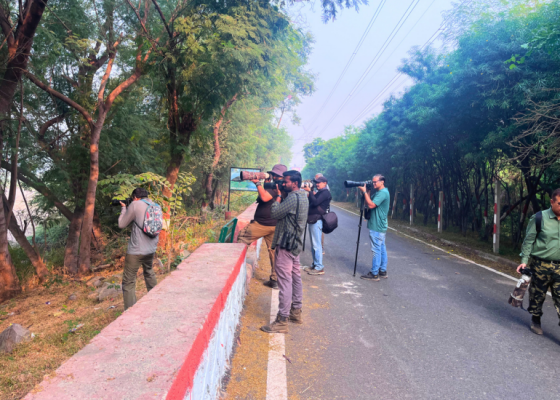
x,y
46,311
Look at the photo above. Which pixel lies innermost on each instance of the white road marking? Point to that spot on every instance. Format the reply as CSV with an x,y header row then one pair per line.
x,y
276,380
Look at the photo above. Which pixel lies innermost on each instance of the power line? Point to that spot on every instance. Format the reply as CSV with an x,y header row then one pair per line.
x,y
370,106
352,56
388,41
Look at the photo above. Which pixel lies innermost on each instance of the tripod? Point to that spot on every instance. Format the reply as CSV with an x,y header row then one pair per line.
x,y
362,206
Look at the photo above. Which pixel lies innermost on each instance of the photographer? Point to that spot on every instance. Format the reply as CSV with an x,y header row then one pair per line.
x,y
263,225
291,214
141,247
319,203
542,244
377,226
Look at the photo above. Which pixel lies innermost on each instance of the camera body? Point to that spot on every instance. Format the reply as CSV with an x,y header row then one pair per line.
x,y
307,183
351,184
115,202
272,184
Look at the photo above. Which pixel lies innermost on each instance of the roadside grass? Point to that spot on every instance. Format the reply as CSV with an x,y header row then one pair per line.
x,y
48,313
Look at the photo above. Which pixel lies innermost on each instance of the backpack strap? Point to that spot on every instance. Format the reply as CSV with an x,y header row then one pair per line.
x,y
538,223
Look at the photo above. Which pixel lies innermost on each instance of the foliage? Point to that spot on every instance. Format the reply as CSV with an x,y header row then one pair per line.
x,y
450,131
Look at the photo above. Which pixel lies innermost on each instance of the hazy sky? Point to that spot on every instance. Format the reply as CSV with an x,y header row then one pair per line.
x,y
335,43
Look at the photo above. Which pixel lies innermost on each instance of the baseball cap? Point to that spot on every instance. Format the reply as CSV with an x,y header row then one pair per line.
x,y
320,179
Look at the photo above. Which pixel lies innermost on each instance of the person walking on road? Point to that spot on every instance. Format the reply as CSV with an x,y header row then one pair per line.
x,y
263,225
319,203
291,214
377,226
141,247
544,249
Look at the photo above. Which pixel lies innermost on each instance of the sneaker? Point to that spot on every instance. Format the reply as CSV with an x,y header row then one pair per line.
x,y
280,325
314,271
295,316
271,284
383,274
307,267
370,277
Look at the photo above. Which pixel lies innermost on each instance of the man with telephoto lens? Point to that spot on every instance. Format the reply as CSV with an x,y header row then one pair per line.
x,y
291,213
263,225
377,226
543,246
141,247
319,203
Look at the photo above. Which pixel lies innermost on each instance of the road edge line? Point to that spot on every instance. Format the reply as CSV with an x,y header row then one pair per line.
x,y
445,251
276,379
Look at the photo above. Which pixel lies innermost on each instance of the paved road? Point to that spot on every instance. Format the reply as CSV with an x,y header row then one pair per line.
x,y
438,328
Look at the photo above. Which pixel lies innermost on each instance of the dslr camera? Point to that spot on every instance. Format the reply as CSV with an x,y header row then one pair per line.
x,y
116,202
308,183
351,184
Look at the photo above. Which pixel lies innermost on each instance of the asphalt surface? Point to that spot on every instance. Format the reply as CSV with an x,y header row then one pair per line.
x,y
437,328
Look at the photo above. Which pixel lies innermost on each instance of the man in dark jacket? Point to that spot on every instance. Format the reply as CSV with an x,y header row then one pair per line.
x,y
319,203
263,225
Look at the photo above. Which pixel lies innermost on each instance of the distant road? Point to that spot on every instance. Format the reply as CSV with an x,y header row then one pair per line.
x,y
438,328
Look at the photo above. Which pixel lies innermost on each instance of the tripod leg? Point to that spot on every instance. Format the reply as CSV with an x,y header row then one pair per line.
x,y
358,242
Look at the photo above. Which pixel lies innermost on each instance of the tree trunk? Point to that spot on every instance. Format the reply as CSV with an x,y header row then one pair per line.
x,y
217,151
9,283
87,223
19,43
71,252
21,239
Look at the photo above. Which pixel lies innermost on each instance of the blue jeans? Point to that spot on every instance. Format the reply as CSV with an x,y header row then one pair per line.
x,y
379,262
316,230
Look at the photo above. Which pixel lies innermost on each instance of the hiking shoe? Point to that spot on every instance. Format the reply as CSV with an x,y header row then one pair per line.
x,y
314,271
536,325
280,325
370,277
295,316
383,274
271,284
307,267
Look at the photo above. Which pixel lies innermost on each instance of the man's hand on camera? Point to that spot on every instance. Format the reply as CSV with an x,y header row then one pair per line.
x,y
123,205
255,181
521,266
278,191
362,188
307,188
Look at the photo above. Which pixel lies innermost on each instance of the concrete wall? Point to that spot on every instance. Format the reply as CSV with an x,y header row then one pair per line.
x,y
173,344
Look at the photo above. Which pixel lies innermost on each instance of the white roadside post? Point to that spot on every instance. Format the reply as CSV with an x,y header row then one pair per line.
x,y
497,208
439,221
411,204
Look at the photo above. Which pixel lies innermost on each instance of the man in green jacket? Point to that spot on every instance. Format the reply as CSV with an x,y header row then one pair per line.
x,y
544,250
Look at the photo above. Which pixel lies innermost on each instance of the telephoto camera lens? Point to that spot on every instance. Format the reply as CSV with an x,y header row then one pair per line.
x,y
250,175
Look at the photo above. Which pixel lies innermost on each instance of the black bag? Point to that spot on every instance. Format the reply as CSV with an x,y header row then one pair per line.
x,y
330,222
